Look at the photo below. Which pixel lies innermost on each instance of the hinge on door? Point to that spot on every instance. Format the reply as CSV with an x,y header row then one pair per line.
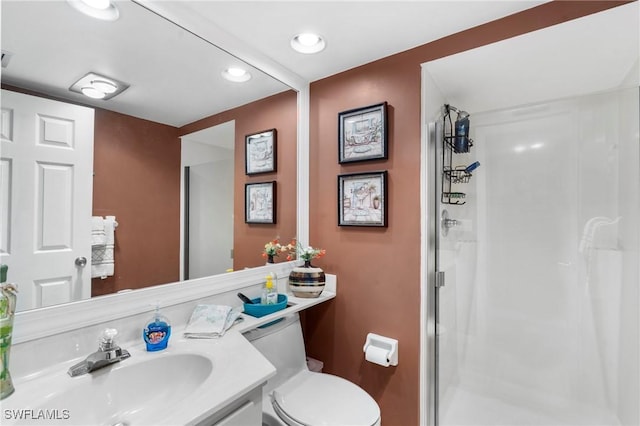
x,y
439,279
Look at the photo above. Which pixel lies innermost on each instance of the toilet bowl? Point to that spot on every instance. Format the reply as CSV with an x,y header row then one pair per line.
x,y
296,396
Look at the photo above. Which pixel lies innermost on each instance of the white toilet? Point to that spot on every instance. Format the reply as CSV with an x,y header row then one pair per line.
x,y
296,396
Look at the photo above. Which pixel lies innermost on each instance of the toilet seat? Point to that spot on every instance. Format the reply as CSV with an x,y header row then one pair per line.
x,y
322,399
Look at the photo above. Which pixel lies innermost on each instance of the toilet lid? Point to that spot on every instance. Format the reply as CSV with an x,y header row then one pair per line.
x,y
323,399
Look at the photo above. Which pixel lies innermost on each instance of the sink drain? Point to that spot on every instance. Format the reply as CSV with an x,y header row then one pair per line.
x,y
120,424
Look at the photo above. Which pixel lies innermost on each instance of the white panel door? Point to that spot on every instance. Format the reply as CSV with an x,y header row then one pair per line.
x,y
46,191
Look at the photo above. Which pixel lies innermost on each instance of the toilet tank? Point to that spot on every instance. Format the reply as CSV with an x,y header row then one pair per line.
x,y
283,345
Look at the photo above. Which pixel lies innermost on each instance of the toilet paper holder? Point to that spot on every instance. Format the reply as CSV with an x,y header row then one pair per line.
x,y
384,343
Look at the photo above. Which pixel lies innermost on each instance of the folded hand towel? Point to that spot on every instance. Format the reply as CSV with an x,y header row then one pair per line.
x,y
98,236
211,321
110,226
102,246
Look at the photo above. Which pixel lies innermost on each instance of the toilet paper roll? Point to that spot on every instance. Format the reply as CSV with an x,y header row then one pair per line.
x,y
377,355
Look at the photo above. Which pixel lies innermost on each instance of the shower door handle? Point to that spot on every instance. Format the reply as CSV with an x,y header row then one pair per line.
x,y
439,279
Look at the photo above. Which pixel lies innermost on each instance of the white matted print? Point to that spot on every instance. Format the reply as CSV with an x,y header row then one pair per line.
x,y
260,202
362,134
260,152
362,199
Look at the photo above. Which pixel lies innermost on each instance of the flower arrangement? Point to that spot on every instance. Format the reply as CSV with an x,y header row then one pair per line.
x,y
294,250
274,248
304,253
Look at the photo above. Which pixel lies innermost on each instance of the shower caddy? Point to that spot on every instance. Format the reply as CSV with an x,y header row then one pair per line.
x,y
451,175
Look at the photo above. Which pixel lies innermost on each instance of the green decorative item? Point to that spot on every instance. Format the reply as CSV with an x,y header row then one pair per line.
x,y
7,310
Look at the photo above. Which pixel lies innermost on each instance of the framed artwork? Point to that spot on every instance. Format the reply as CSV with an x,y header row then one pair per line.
x,y
260,152
260,202
362,199
362,134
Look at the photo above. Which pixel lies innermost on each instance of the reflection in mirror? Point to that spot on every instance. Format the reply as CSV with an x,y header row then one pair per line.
x,y
207,164
175,89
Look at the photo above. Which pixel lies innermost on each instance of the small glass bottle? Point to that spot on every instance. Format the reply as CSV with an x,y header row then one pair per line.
x,y
269,292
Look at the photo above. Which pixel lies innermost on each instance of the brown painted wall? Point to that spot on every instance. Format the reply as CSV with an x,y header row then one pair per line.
x,y
137,169
378,269
279,112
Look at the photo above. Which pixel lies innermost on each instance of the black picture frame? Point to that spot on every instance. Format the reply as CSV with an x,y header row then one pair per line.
x,y
260,202
362,134
261,152
362,199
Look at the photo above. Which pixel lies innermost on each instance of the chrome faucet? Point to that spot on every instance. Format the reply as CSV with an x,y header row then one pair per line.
x,y
108,353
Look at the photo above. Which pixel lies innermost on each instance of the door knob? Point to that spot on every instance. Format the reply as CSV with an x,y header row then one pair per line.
x,y
81,261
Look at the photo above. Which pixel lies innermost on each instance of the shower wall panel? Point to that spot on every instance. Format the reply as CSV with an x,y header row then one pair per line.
x,y
540,310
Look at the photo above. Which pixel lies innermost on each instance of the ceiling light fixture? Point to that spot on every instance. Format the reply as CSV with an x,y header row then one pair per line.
x,y
236,74
99,9
104,86
308,43
92,92
97,86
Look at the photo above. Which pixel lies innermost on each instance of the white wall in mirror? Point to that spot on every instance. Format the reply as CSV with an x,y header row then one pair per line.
x,y
207,201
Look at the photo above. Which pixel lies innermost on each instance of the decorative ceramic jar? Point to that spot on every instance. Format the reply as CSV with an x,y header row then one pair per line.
x,y
306,281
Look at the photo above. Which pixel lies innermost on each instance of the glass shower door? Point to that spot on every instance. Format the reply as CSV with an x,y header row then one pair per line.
x,y
537,313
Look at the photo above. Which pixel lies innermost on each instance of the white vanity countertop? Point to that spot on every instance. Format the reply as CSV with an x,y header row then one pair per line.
x,y
141,394
167,387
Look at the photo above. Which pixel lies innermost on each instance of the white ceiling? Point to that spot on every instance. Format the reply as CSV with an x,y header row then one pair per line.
x,y
146,51
356,32
596,53
174,75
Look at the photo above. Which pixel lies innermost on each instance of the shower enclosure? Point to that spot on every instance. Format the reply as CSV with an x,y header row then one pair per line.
x,y
537,251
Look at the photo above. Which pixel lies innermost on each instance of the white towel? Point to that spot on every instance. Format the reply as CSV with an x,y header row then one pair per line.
x,y
211,321
102,255
98,236
110,226
102,261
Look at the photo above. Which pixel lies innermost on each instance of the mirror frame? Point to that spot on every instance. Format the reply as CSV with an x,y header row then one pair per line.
x,y
42,322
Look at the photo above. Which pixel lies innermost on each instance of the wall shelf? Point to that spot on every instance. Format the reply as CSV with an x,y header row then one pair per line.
x,y
294,304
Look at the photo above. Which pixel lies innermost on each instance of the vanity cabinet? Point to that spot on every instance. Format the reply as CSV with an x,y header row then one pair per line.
x,y
244,411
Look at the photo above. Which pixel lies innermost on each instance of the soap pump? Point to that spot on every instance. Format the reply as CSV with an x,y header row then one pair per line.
x,y
157,331
269,292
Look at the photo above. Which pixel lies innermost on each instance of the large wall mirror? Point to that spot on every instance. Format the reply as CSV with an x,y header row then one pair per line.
x,y
177,122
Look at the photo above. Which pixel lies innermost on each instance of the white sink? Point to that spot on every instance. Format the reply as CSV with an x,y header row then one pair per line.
x,y
183,384
126,391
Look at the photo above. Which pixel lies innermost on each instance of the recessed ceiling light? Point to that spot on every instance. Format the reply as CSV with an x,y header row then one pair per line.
x,y
99,9
308,43
236,74
97,86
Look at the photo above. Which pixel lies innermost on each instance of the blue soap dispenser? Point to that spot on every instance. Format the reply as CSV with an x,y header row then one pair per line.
x,y
157,331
